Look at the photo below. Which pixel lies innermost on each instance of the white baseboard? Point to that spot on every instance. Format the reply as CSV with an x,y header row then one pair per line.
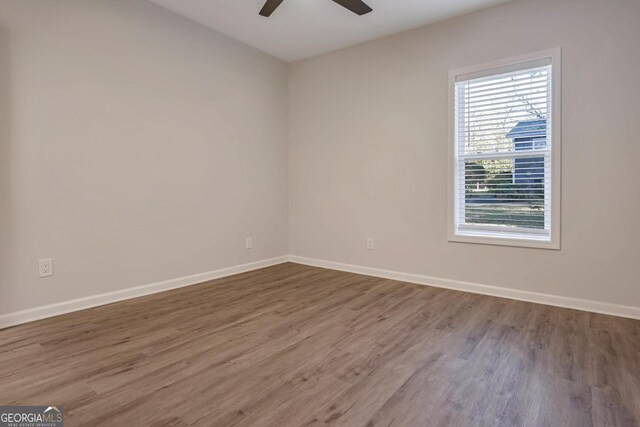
x,y
535,297
57,309
24,316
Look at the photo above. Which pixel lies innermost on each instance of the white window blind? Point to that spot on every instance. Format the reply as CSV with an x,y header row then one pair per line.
x,y
503,153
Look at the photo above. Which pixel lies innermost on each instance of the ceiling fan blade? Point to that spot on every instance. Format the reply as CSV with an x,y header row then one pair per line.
x,y
356,6
269,7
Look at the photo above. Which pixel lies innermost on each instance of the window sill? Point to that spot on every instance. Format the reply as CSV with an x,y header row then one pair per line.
x,y
496,240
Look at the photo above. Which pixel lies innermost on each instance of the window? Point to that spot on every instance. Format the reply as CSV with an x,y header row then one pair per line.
x,y
505,152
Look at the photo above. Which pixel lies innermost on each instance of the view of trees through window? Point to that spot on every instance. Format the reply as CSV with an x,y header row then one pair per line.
x,y
503,146
494,196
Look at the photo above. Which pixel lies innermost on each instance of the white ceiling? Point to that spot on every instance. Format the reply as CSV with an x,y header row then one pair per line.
x,y
301,29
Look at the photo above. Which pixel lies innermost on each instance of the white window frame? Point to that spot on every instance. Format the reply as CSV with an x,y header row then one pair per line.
x,y
488,235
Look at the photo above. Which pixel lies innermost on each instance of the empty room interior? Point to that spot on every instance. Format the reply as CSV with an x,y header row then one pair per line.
x,y
319,212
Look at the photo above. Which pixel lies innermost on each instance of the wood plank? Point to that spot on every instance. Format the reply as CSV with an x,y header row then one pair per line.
x,y
297,345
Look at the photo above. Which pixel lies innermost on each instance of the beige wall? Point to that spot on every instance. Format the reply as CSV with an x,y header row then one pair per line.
x,y
368,135
135,147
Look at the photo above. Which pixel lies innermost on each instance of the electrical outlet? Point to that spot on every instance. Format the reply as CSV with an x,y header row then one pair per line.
x,y
371,244
45,267
249,243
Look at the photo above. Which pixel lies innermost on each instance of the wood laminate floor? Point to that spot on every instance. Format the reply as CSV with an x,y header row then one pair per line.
x,y
293,345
